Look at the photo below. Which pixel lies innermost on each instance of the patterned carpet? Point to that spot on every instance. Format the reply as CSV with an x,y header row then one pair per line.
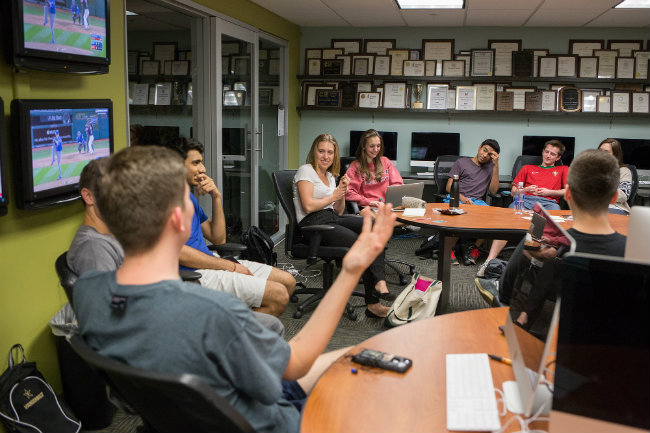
x,y
464,296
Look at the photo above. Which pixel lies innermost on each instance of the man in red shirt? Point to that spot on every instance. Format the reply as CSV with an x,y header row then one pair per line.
x,y
544,184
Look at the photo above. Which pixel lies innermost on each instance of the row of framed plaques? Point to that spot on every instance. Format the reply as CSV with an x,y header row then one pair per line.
x,y
442,49
167,59
604,64
477,97
163,93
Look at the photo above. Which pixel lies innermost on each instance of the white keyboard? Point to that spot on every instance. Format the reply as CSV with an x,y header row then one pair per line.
x,y
471,403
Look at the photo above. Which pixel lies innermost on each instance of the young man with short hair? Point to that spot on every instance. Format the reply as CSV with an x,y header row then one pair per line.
x,y
543,184
145,315
476,176
262,287
592,184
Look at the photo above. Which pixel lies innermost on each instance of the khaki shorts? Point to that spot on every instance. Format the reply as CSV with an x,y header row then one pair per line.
x,y
249,289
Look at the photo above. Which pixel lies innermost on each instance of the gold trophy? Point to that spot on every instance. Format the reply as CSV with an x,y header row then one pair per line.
x,y
417,91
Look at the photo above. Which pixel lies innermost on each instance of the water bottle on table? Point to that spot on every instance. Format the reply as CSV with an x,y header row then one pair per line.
x,y
519,199
454,195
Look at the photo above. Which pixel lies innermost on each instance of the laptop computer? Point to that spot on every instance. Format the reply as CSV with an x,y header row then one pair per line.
x,y
637,246
394,193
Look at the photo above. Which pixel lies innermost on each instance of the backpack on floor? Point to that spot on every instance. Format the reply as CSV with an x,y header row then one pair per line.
x,y
28,404
429,247
259,246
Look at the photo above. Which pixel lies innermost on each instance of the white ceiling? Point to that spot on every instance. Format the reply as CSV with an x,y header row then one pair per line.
x,y
505,13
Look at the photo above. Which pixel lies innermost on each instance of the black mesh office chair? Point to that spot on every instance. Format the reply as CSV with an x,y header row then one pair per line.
x,y
526,160
167,403
352,207
307,247
441,175
635,184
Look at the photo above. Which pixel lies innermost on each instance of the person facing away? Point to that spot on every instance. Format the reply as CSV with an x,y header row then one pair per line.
x,y
167,325
371,173
264,288
93,248
592,184
613,147
477,175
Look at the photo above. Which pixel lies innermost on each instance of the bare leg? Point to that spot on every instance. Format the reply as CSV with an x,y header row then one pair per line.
x,y
284,278
495,249
275,299
322,363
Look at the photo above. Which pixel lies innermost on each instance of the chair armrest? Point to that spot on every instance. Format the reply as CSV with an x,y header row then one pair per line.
x,y
229,249
315,235
189,276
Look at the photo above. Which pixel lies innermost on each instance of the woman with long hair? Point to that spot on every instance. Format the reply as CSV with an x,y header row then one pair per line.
x,y
318,200
613,147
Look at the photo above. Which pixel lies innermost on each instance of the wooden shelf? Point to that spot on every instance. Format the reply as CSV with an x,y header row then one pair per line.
x,y
437,79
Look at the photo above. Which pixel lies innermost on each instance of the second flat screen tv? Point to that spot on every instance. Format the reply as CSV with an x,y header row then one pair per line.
x,y
534,145
389,138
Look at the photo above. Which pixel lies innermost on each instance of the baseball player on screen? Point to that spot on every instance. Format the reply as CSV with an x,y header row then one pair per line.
x,y
89,136
57,149
50,6
86,12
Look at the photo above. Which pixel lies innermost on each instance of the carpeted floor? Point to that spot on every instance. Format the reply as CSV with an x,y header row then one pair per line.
x,y
464,296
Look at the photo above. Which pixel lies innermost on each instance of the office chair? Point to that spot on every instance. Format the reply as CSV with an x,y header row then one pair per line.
x,y
441,175
635,184
167,403
532,160
352,207
300,247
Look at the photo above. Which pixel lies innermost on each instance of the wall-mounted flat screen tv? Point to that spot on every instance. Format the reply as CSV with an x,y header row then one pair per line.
x,y
3,163
534,145
53,142
59,35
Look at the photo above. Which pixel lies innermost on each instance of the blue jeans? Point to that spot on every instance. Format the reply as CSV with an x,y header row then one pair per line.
x,y
475,201
530,200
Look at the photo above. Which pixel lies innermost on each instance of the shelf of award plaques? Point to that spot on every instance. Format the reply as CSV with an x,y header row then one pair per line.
x,y
468,81
178,102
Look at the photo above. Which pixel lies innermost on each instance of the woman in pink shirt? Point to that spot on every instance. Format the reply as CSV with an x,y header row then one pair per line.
x,y
371,173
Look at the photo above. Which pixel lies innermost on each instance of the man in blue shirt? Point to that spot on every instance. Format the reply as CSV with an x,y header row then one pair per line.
x,y
57,149
264,288
144,315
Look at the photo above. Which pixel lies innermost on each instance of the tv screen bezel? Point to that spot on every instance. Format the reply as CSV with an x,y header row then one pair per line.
x,y
569,152
429,148
26,198
4,202
49,61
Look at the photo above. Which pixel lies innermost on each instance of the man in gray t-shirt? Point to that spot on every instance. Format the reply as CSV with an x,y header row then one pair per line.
x,y
478,174
475,176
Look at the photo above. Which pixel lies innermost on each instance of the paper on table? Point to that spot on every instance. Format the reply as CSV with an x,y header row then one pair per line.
x,y
414,211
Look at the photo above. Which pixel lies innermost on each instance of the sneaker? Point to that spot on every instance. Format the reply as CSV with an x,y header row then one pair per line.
x,y
454,260
476,253
412,228
468,259
481,271
489,290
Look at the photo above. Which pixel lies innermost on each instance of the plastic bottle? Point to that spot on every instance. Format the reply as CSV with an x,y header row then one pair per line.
x,y
519,199
454,195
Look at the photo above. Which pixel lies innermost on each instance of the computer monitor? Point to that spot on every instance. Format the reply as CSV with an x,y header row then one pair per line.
x,y
4,200
160,135
532,321
534,145
233,144
389,138
636,151
53,141
602,370
426,147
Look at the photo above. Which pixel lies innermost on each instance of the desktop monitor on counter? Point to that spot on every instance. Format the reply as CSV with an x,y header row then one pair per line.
x,y
389,138
534,145
426,147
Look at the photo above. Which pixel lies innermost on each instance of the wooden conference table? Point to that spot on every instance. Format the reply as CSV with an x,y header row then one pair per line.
x,y
485,222
379,401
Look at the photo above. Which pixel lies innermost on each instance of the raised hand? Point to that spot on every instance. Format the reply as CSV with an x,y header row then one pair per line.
x,y
206,186
372,239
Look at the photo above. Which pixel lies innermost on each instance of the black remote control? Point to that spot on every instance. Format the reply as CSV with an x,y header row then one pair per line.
x,y
386,361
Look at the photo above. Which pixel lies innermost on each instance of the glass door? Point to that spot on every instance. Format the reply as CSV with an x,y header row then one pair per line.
x,y
236,120
271,150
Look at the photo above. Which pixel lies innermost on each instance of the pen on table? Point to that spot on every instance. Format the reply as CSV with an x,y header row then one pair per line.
x,y
500,359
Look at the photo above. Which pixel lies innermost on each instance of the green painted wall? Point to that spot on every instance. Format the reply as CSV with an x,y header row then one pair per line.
x,y
30,241
507,129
